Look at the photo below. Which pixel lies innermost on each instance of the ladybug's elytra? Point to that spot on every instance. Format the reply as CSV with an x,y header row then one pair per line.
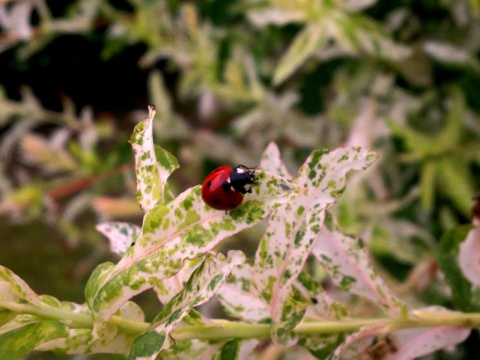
x,y
224,187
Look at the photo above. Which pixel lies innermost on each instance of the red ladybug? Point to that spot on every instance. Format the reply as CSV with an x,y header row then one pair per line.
x,y
224,187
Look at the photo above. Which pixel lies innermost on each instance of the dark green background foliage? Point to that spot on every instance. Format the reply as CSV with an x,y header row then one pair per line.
x,y
398,77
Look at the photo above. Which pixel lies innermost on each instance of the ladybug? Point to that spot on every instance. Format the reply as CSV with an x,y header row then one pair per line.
x,y
224,187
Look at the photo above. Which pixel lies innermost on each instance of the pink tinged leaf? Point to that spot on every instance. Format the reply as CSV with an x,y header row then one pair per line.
x,y
238,300
17,20
171,286
293,228
271,162
366,127
119,234
247,347
346,260
413,343
242,304
357,344
469,256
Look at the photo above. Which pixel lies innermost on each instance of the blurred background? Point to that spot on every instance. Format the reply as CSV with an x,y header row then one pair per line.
x,y
228,77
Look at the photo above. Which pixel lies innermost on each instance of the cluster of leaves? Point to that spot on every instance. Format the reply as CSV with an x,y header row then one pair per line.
x,y
173,254
397,78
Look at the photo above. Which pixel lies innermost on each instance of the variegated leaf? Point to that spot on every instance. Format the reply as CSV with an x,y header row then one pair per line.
x,y
194,349
403,344
291,314
14,289
357,33
414,343
238,349
322,306
171,286
310,39
358,343
119,234
201,286
271,162
321,346
153,165
17,343
96,280
346,261
237,299
84,340
293,228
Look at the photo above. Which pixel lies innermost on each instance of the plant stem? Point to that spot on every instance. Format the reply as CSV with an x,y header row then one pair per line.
x,y
230,329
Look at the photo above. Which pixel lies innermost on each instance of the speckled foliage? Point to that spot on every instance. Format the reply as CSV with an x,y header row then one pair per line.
x,y
173,254
293,230
153,164
346,260
174,236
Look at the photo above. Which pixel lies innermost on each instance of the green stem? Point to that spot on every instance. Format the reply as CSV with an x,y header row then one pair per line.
x,y
229,329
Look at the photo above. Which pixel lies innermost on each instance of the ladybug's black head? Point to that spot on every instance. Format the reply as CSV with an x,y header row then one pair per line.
x,y
242,178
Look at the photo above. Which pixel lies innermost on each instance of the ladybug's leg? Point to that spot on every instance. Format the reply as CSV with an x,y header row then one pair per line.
x,y
248,188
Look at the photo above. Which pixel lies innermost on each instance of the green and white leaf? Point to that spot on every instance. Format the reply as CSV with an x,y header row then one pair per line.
x,y
357,33
14,289
293,229
6,316
201,286
18,342
310,39
263,17
18,321
291,314
194,349
153,164
346,261
183,229
238,349
321,346
451,55
171,286
85,341
119,234
96,280
321,306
